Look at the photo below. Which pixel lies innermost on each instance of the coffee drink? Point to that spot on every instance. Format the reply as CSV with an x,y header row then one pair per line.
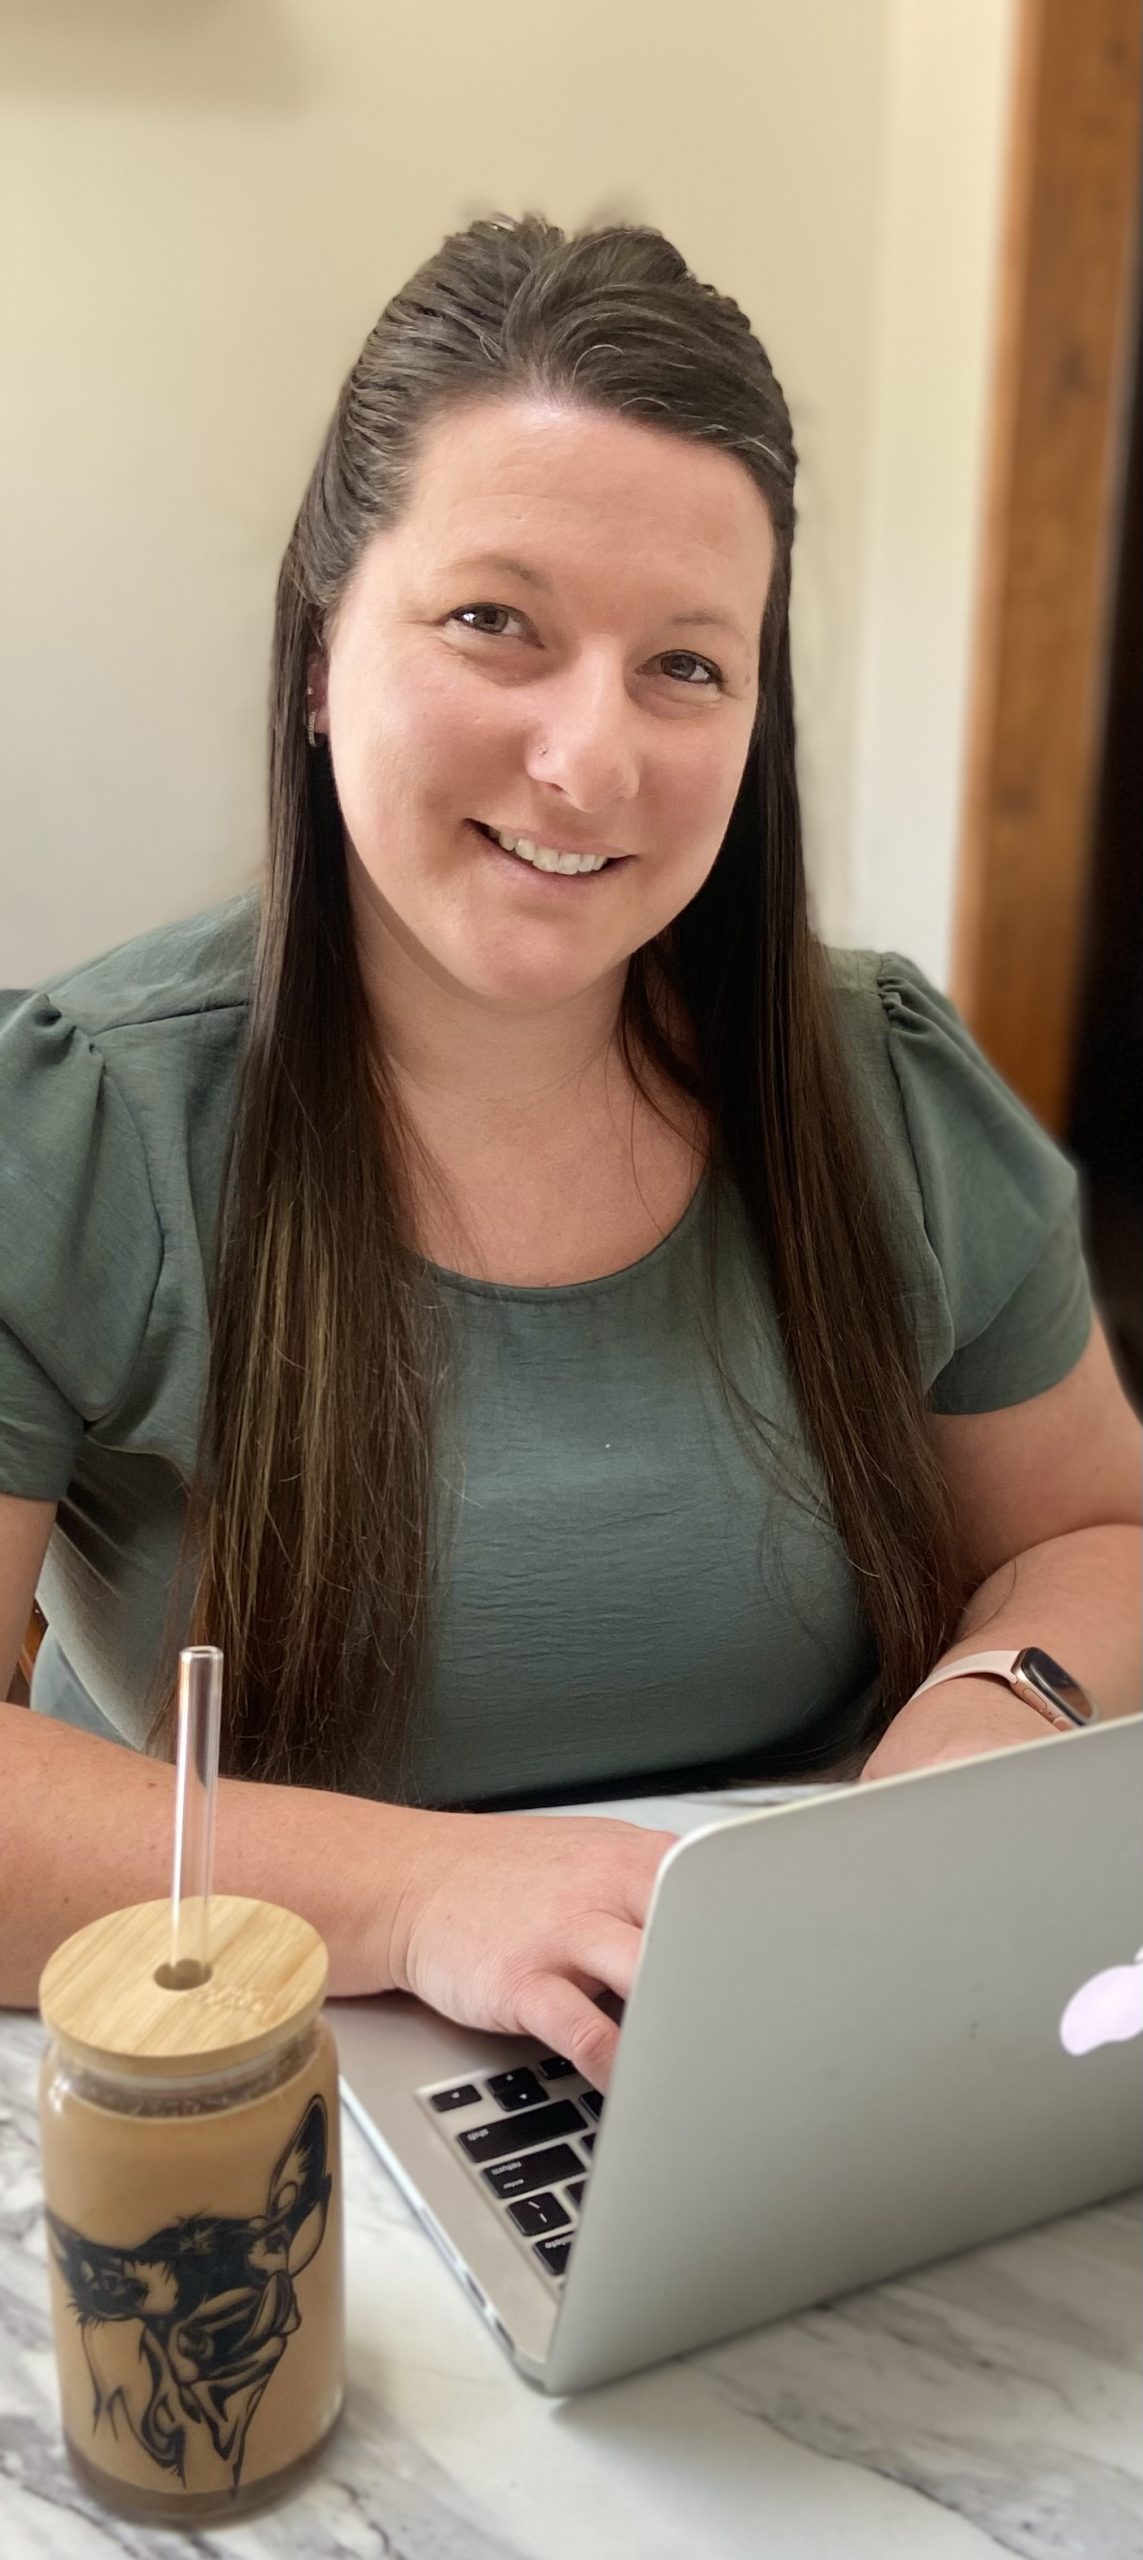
x,y
194,2222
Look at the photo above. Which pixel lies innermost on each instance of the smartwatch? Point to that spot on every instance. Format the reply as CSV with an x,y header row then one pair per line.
x,y
1033,1676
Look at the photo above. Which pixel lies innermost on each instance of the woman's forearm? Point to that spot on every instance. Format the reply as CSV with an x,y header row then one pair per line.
x,y
1079,1598
86,1827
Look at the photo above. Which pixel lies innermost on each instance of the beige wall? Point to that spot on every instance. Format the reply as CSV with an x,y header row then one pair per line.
x,y
941,214
206,202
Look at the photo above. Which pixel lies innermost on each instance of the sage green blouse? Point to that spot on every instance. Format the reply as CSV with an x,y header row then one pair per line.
x,y
628,1591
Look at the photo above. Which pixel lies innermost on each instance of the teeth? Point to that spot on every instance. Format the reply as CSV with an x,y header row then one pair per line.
x,y
544,859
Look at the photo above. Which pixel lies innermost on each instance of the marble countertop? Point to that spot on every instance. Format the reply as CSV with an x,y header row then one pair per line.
x,y
989,2404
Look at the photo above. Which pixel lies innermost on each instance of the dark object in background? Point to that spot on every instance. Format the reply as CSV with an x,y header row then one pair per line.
x,y
1105,1123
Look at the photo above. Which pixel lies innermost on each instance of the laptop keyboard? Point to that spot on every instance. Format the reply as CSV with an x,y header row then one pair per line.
x,y
527,2136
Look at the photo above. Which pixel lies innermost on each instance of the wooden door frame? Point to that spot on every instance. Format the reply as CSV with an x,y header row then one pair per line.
x,y
1062,378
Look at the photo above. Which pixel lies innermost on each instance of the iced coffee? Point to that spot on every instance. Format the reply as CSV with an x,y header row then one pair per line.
x,y
192,2187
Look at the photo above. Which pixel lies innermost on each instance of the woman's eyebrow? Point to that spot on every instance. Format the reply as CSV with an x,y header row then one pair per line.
x,y
514,568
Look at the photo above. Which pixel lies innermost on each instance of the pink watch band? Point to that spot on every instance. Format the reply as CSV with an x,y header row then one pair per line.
x,y
1006,1667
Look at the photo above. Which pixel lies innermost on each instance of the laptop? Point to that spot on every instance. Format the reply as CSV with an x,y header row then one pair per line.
x,y
841,2057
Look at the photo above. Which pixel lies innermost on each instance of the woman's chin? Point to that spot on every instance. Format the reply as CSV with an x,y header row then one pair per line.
x,y
524,989
527,972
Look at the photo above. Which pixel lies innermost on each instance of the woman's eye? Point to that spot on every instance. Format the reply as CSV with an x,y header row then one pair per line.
x,y
714,680
712,672
463,610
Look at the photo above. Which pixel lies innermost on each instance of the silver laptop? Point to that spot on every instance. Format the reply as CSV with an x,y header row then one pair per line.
x,y
870,2026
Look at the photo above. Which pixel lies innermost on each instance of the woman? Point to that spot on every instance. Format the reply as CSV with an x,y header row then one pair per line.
x,y
639,1342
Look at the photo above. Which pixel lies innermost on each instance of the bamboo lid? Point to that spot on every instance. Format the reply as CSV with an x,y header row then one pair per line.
x,y
99,1993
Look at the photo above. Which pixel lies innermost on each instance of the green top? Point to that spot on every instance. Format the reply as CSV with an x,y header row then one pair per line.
x,y
626,1592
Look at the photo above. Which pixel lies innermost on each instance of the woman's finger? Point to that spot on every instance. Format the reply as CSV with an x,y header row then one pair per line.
x,y
640,1872
607,1952
550,2009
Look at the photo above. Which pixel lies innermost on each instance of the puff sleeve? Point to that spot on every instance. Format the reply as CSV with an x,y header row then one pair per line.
x,y
995,1210
80,1245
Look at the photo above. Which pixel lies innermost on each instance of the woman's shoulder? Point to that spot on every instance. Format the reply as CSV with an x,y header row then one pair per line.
x,y
937,1101
199,965
894,1028
872,987
907,1039
118,1078
117,1082
984,1200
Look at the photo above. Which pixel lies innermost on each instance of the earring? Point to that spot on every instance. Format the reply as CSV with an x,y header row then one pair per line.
x,y
311,723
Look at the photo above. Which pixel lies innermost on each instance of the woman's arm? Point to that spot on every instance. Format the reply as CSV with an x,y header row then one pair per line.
x,y
1049,1495
1079,1598
503,1921
87,1826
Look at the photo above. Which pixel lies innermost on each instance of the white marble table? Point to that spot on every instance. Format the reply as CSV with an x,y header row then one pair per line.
x,y
990,2404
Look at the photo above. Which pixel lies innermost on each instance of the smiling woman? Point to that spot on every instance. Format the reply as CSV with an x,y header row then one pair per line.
x,y
551,1323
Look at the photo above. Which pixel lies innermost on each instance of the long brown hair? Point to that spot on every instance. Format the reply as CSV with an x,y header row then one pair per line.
x,y
314,1510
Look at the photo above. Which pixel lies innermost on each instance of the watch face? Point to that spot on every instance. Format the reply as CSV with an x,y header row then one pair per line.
x,y
1056,1684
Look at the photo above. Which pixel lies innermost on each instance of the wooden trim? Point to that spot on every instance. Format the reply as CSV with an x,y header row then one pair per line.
x,y
26,1658
1064,353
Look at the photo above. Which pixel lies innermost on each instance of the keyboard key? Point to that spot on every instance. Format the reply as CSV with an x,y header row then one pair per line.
x,y
465,2094
515,2089
539,2213
536,2169
588,2141
485,2142
555,2066
574,2193
555,2254
591,2099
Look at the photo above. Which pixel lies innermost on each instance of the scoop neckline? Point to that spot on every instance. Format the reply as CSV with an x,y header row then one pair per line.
x,y
469,1286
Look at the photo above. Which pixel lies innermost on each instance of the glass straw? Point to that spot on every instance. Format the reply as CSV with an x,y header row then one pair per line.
x,y
200,1713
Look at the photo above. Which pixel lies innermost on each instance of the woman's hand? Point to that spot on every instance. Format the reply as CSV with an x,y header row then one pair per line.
x,y
955,1721
514,1921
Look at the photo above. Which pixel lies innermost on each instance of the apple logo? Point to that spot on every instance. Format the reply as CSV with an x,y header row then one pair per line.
x,y
1106,2010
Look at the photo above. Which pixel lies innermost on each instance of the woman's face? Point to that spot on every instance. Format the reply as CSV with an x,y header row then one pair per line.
x,y
559,641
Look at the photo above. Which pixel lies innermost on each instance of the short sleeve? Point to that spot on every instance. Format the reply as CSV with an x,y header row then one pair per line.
x,y
999,1202
80,1244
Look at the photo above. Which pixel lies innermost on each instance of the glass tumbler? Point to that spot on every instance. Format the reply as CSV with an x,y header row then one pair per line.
x,y
192,2190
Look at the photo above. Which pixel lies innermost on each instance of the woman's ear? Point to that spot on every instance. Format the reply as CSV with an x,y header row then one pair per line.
x,y
317,697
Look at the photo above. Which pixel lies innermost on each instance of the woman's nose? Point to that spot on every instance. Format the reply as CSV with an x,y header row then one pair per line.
x,y
583,741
